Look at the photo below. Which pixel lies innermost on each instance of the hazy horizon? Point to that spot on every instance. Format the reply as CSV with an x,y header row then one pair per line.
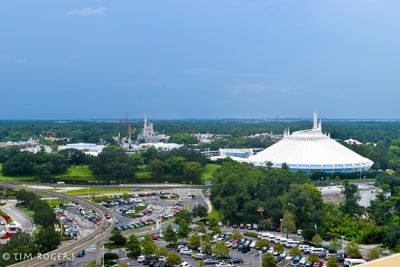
x,y
74,60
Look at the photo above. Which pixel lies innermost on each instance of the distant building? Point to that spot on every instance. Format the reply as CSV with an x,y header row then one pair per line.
x,y
203,138
160,146
30,145
87,148
311,151
352,141
234,153
268,136
148,135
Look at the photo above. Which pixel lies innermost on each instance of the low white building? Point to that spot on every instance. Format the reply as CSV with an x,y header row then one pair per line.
x,y
352,141
160,146
234,153
87,148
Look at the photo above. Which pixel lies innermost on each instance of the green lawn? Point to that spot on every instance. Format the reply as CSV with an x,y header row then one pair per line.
x,y
82,173
77,171
97,191
208,171
74,172
142,172
54,202
9,178
27,211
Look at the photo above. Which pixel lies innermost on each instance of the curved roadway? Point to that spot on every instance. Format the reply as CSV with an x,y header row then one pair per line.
x,y
102,231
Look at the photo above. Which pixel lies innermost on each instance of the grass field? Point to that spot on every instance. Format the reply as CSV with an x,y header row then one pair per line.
x,y
27,211
54,202
9,178
208,171
74,172
77,171
142,172
97,191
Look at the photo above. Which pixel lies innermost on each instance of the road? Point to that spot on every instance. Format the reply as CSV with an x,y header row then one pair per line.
x,y
100,233
18,216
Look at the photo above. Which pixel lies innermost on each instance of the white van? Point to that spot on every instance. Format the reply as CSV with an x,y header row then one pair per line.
x,y
271,238
263,235
285,243
292,243
303,247
282,240
353,262
317,250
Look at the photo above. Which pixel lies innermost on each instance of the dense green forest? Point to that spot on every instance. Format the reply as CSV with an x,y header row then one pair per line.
x,y
239,189
91,131
380,138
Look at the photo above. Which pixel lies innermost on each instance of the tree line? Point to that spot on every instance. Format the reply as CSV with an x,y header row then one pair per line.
x,y
238,191
42,240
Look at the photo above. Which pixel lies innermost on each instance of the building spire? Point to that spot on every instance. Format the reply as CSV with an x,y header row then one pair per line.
x,y
315,126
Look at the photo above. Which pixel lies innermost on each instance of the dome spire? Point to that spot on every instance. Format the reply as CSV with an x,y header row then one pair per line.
x,y
315,126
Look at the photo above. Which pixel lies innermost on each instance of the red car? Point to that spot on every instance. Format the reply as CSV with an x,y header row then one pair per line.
x,y
154,237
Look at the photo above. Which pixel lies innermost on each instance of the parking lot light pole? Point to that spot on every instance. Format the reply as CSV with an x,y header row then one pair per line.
x,y
281,227
201,245
102,252
260,258
342,243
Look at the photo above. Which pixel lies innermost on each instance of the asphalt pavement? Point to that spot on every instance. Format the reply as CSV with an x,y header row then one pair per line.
x,y
17,215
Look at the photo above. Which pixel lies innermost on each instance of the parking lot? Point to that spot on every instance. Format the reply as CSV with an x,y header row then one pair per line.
x,y
244,252
76,221
139,209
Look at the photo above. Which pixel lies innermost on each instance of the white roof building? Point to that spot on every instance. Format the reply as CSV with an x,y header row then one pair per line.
x,y
161,146
309,151
87,148
238,154
352,141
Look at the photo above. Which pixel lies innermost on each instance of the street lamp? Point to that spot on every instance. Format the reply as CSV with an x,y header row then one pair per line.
x,y
102,248
260,258
281,227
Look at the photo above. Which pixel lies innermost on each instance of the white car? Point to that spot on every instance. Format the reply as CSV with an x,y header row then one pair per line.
x,y
303,261
185,264
130,212
223,264
270,250
186,251
162,259
141,258
181,247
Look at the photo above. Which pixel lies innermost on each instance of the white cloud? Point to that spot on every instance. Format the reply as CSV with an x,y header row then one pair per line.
x,y
88,11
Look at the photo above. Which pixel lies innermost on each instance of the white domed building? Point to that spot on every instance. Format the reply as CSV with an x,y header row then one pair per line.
x,y
311,151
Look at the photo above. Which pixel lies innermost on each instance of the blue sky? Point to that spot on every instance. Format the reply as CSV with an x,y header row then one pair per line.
x,y
199,59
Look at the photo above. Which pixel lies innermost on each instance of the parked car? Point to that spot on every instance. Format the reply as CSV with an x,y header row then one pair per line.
x,y
186,251
198,256
223,264
237,260
81,254
184,264
210,262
